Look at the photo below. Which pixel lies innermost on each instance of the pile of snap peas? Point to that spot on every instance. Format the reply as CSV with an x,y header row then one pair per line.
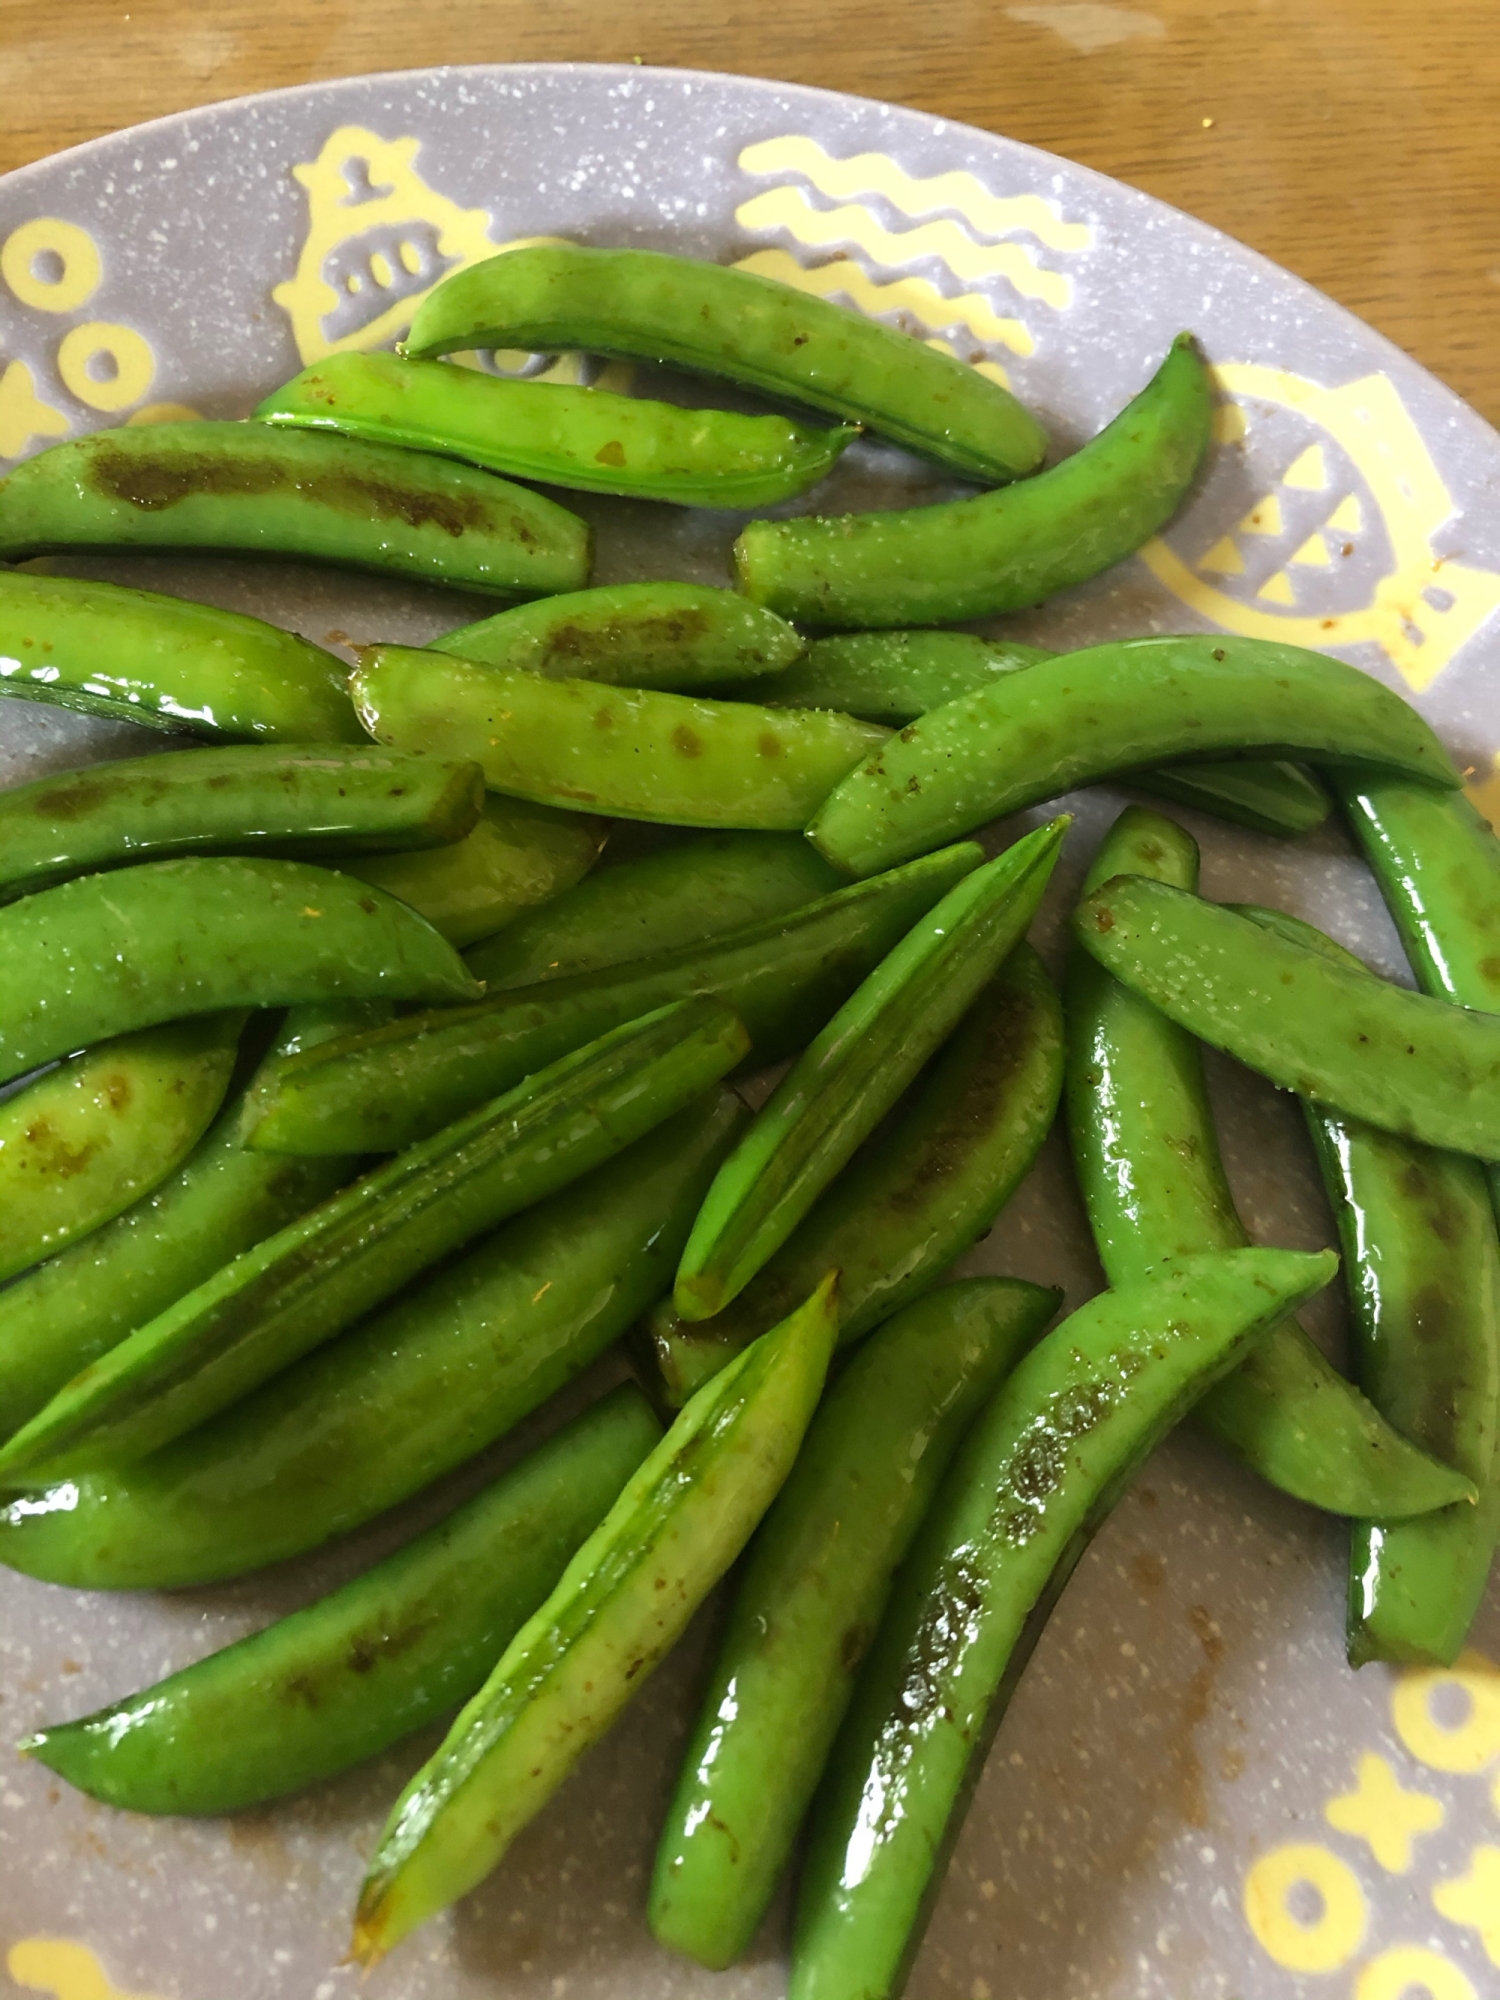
x,y
366,1083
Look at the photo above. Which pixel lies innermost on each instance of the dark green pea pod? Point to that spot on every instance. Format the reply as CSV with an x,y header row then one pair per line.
x,y
137,656
589,439
632,752
309,1281
810,1597
412,1392
260,491
684,894
1147,1158
784,976
855,1068
925,1185
621,1605
1108,710
1035,1477
86,1139
644,305
359,1669
1276,798
1001,551
105,954
649,635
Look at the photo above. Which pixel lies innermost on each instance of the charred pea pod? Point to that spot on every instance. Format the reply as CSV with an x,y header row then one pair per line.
x,y
261,491
620,1606
647,306
1035,1477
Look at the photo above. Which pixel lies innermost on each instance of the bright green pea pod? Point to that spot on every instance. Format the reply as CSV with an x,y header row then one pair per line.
x,y
88,1138
1147,1158
249,488
1333,1033
588,439
412,1392
648,306
1111,709
1035,1477
621,1605
631,752
810,1599
855,1068
104,954
137,656
650,635
680,895
783,976
1002,551
921,1190
315,1277
359,1669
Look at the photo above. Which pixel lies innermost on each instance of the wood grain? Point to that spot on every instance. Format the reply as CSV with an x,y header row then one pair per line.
x,y
1357,142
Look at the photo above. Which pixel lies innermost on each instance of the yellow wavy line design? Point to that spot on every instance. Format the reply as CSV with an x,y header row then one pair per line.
x,y
64,1968
914,296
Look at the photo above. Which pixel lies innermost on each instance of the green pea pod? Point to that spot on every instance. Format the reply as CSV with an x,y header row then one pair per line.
x,y
105,954
589,439
137,656
645,305
650,635
621,1605
810,1598
359,1669
315,1277
1276,798
86,1139
251,488
1115,708
414,1391
632,752
1147,1159
855,1068
784,976
67,1312
1032,1481
925,1185
1347,1040
1001,551
680,895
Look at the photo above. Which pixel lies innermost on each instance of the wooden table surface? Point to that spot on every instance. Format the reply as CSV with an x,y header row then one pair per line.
x,y
1357,142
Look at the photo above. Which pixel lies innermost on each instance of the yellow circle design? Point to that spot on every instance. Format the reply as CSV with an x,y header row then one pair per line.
x,y
1333,1937
165,413
77,251
1396,1972
1469,1745
135,364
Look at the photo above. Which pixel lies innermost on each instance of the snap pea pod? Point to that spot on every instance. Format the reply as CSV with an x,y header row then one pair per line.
x,y
855,1068
138,656
261,491
923,1187
417,1389
86,1139
619,1607
309,1281
1350,1042
1153,1183
359,1669
589,439
1001,551
814,1585
1275,797
632,752
650,635
645,305
784,976
1081,717
1035,1477
104,954
680,895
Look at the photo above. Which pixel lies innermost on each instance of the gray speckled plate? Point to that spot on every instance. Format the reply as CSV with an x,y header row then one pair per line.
x,y
1191,1794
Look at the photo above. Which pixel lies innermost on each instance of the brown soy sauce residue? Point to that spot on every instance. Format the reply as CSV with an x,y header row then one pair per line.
x,y
949,1618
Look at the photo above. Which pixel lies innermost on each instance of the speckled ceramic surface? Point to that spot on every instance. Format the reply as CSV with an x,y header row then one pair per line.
x,y
1191,1795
